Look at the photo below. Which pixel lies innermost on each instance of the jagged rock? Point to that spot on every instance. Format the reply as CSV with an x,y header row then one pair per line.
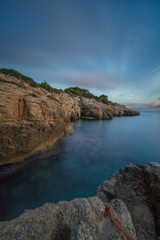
x,y
79,219
129,211
96,110
139,188
121,110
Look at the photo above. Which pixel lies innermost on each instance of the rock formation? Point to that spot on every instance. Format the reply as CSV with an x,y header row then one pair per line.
x,y
20,140
32,119
126,207
139,189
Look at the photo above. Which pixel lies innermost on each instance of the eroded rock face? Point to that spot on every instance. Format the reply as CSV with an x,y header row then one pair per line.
x,y
24,103
90,108
23,139
121,110
127,207
139,189
76,220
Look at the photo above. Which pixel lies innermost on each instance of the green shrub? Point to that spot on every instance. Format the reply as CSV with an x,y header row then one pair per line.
x,y
103,98
20,76
46,86
53,98
76,91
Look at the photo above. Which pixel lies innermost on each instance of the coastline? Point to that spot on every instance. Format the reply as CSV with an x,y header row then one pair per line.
x,y
32,119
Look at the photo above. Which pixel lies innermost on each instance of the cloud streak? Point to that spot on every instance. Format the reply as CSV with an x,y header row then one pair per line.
x,y
108,46
156,104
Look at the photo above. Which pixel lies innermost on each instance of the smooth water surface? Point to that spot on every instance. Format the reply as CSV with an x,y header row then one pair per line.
x,y
77,164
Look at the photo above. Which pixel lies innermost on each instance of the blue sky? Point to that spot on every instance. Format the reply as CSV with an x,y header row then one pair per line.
x,y
111,47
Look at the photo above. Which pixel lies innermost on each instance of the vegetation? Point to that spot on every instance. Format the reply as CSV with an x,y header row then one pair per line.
x,y
103,98
20,76
53,98
46,86
72,91
76,91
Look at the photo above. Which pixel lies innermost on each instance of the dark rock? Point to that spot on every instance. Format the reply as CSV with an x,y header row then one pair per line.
x,y
139,188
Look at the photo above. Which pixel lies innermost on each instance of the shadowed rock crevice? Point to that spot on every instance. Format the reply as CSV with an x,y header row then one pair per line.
x,y
62,232
152,190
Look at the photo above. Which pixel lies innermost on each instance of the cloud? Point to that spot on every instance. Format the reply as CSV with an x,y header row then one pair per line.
x,y
111,48
155,104
89,79
137,105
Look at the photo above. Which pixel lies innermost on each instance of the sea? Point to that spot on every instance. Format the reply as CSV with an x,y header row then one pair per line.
x,y
77,164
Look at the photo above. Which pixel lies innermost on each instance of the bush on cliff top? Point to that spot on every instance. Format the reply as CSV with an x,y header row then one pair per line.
x,y
46,86
30,81
20,76
76,91
72,91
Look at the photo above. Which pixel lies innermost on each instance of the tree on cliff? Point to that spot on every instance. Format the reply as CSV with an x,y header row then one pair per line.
x,y
103,98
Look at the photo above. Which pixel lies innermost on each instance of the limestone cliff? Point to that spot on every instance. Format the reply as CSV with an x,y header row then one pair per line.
x,y
32,118
126,207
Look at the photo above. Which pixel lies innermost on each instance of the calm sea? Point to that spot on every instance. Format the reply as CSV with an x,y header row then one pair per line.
x,y
77,164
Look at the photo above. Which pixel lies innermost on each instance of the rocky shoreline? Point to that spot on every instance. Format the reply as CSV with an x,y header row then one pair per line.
x,y
125,207
32,119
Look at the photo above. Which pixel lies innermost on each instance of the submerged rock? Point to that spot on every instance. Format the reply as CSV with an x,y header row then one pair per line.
x,y
126,207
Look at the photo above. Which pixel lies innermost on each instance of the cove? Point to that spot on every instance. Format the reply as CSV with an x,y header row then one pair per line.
x,y
77,164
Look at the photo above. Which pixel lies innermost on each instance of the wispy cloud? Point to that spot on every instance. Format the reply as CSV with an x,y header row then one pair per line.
x,y
111,47
155,104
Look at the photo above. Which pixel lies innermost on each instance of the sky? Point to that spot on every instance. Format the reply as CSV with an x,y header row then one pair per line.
x,y
110,47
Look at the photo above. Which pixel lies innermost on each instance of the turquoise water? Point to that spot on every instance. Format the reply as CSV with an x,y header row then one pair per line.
x,y
77,164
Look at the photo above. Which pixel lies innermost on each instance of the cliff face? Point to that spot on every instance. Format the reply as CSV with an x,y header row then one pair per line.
x,y
21,102
126,207
20,140
27,115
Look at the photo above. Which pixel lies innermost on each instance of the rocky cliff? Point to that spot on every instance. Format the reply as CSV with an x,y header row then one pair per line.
x,y
32,118
126,207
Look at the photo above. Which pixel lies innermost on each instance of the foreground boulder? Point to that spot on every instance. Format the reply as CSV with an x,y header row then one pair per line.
x,y
126,207
139,189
